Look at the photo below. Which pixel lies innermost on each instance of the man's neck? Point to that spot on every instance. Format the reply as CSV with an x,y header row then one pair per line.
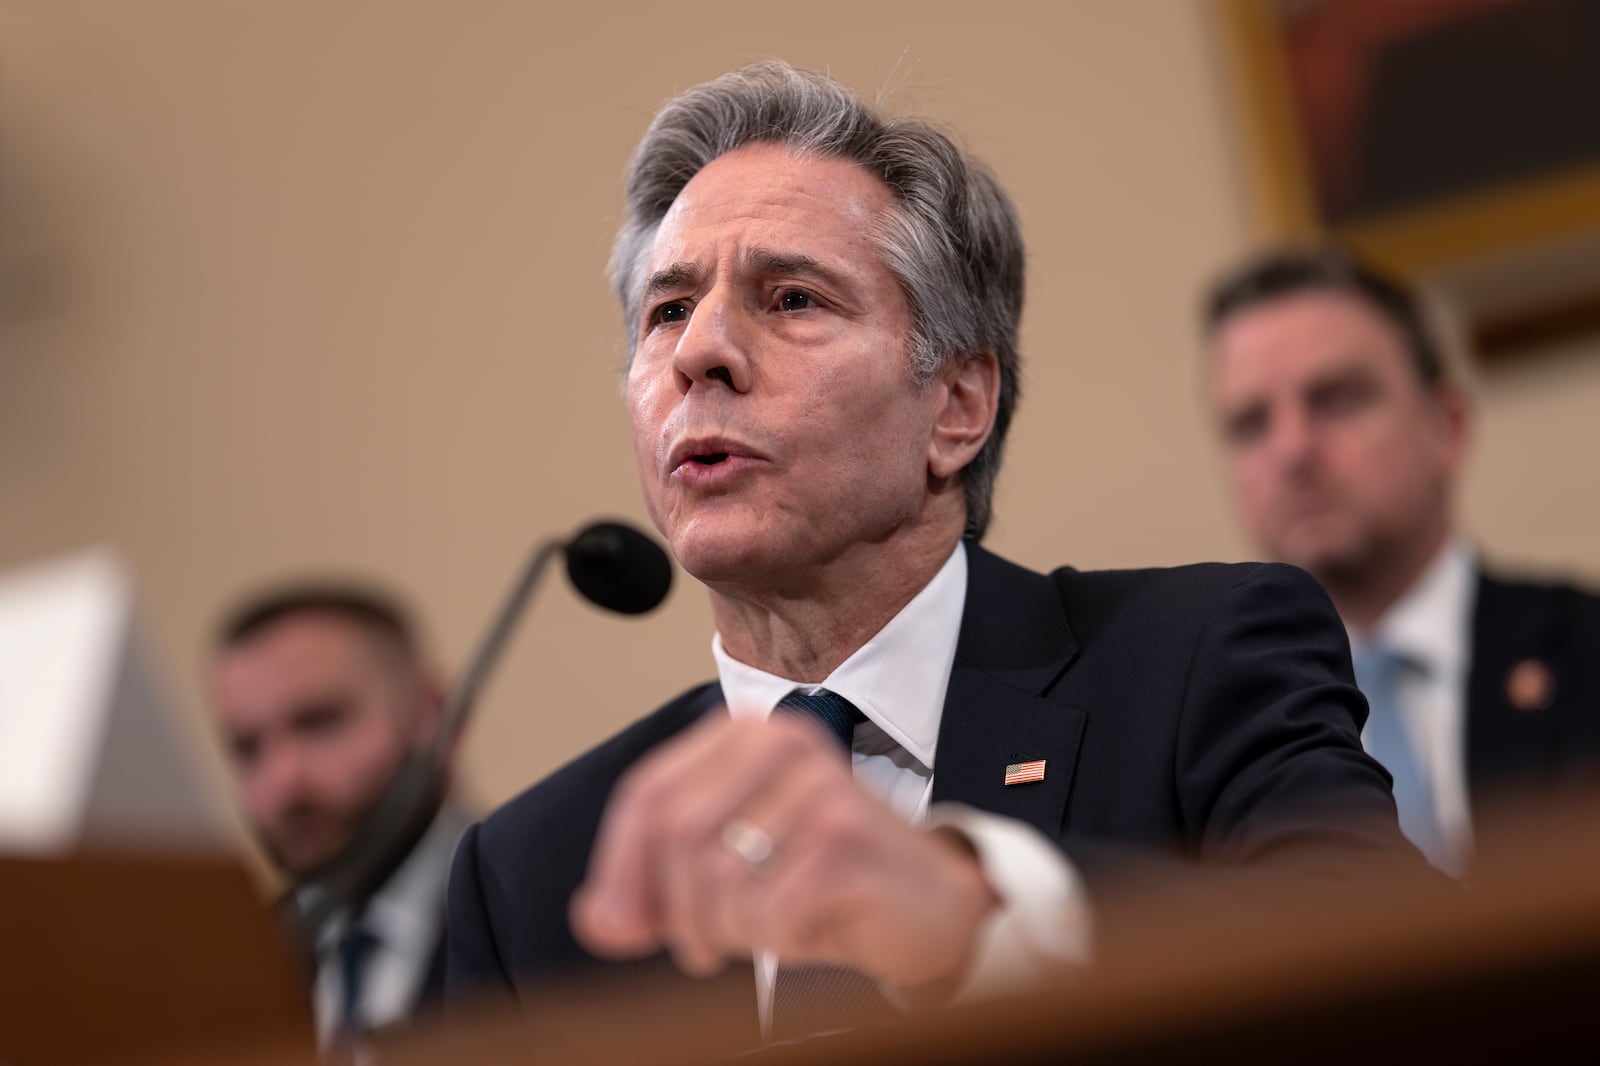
x,y
1363,599
805,637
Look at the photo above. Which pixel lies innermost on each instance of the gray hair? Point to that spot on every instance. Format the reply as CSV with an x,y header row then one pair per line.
x,y
951,239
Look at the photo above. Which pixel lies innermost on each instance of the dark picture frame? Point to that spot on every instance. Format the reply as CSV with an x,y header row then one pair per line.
x,y
1422,134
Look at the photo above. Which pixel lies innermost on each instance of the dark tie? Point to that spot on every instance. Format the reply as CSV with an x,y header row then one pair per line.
x,y
809,999
828,709
354,950
1378,672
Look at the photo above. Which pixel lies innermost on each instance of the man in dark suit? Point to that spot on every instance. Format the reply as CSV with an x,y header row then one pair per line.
x,y
320,692
1345,438
823,304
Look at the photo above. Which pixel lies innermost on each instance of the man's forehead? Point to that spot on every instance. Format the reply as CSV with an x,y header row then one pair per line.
x,y
1299,337
304,645
769,190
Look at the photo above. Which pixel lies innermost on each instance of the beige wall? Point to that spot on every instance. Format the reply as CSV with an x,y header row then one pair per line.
x,y
339,303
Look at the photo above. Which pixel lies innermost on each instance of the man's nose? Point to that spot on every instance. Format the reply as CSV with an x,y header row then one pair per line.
x,y
713,348
1293,439
279,778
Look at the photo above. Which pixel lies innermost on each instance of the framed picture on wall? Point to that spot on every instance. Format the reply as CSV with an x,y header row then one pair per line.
x,y
1426,132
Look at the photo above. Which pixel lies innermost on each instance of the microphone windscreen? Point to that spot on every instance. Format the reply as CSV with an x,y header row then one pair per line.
x,y
619,568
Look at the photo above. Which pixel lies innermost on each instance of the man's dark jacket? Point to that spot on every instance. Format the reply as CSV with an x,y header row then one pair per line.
x,y
1205,712
1542,735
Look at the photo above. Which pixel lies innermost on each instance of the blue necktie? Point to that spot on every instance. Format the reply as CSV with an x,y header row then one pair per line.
x,y
1378,673
828,709
806,998
354,950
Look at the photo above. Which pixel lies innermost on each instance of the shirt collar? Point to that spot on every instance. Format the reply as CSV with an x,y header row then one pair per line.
x,y
897,678
1430,624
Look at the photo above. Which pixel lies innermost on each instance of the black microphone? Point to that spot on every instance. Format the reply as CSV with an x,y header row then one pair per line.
x,y
614,566
618,568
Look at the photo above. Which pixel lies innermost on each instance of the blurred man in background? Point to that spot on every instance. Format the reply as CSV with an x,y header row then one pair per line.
x,y
322,695
1344,439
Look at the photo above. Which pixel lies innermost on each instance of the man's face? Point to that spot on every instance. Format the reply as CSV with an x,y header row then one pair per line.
x,y
317,714
776,423
1339,455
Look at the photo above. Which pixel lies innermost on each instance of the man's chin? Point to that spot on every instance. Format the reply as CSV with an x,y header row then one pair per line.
x,y
1332,561
724,556
303,860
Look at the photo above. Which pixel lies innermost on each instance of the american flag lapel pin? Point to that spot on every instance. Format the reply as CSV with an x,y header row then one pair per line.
x,y
1022,773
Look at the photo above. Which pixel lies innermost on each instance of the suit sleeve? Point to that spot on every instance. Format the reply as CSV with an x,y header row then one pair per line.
x,y
1269,750
473,967
1284,816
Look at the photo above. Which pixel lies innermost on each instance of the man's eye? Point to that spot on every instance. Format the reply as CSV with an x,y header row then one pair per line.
x,y
675,311
1342,399
795,300
1245,428
321,719
245,750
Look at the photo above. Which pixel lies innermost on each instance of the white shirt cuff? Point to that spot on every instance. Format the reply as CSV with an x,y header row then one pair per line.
x,y
1043,921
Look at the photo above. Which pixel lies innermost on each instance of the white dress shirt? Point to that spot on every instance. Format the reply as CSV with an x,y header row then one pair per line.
x,y
406,917
898,680
1431,627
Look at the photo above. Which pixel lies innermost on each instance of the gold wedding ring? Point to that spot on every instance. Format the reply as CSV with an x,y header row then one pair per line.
x,y
749,842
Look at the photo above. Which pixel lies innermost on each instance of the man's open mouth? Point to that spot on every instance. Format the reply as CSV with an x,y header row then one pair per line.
x,y
696,457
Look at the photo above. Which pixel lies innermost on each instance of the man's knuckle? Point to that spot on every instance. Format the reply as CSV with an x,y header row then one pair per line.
x,y
839,820
679,827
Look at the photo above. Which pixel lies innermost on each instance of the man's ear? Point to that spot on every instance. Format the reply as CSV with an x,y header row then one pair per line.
x,y
430,705
1454,411
969,394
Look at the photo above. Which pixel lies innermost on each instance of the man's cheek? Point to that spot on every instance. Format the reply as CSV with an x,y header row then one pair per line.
x,y
1258,497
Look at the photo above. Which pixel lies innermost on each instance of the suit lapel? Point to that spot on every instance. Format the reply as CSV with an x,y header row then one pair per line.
x,y
1510,626
1015,642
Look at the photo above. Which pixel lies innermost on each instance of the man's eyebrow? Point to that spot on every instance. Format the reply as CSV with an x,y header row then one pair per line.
x,y
675,276
794,264
1349,371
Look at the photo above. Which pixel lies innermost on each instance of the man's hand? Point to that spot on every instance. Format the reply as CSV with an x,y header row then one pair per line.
x,y
846,881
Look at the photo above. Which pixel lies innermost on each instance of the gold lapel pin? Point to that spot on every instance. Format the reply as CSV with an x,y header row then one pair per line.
x,y
1021,773
1530,686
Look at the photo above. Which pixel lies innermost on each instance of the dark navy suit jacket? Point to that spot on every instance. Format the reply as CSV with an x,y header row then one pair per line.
x,y
1552,627
1204,712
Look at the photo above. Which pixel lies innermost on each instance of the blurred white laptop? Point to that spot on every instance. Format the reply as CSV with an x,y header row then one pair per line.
x,y
89,756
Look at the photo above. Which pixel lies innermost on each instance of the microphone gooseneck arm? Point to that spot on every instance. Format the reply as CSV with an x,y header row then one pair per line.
x,y
612,565
408,806
464,693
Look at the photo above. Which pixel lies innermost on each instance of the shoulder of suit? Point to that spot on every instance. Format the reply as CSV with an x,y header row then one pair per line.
x,y
1519,602
1537,587
985,565
1193,578
1194,591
